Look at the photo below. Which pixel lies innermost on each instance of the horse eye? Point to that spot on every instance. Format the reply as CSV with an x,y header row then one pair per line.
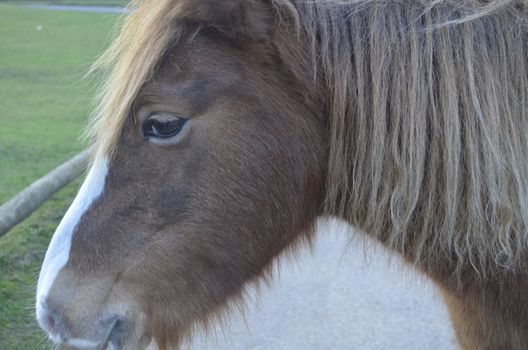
x,y
163,125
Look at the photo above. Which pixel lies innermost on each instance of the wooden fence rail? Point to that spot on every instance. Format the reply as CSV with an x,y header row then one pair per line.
x,y
26,202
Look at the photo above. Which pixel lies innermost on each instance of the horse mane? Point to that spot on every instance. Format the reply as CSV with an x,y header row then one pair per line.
x,y
144,36
428,112
428,124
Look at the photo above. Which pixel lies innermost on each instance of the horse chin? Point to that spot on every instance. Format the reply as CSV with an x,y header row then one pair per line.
x,y
131,343
125,336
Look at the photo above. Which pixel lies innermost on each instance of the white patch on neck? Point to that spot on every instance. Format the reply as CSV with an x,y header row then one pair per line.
x,y
58,251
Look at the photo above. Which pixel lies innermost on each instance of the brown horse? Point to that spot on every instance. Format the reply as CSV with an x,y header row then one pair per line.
x,y
226,127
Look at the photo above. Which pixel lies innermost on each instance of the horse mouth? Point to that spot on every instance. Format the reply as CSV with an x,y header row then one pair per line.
x,y
114,339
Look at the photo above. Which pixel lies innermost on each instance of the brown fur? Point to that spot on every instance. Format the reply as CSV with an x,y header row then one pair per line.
x,y
405,118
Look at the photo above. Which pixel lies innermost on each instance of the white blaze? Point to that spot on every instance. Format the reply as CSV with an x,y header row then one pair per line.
x,y
59,248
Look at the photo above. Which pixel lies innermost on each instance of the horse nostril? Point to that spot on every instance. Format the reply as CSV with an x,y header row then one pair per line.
x,y
49,323
48,320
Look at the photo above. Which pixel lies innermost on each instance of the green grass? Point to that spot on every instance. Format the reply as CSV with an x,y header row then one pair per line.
x,y
71,2
44,102
43,107
21,253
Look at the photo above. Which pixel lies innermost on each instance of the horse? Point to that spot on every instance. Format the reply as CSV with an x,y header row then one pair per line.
x,y
225,128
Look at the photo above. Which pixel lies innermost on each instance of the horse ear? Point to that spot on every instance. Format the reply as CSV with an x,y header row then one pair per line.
x,y
237,19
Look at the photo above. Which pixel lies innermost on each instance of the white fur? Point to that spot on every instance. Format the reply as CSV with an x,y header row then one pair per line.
x,y
152,346
82,344
59,249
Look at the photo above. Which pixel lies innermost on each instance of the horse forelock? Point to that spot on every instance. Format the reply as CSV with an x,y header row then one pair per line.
x,y
144,36
427,101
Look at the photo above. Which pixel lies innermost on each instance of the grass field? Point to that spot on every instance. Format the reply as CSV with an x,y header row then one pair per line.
x,y
70,2
44,106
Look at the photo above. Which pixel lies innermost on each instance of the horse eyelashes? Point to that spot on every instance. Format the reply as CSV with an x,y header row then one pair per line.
x,y
162,126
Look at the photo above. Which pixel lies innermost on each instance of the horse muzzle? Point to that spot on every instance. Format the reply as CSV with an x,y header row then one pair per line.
x,y
110,332
113,332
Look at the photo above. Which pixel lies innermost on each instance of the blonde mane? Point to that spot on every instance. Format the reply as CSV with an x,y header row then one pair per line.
x,y
130,61
428,112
